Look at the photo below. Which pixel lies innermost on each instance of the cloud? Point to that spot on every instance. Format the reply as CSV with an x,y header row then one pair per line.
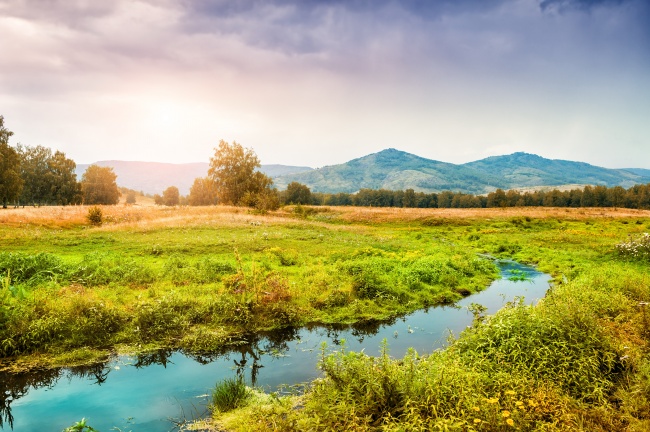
x,y
288,77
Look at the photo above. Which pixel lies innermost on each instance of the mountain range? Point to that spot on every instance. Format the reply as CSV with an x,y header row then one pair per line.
x,y
394,170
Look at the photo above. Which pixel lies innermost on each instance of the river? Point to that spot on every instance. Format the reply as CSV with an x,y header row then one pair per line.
x,y
153,392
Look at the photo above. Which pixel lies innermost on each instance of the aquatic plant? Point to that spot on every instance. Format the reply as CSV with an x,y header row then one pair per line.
x,y
80,426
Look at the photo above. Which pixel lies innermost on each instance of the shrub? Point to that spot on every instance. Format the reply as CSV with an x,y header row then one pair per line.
x,y
95,216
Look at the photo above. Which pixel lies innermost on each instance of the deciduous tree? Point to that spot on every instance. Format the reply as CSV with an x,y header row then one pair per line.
x,y
10,182
171,196
203,192
48,178
233,171
297,193
99,186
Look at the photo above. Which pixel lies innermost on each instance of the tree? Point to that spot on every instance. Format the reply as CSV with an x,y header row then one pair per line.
x,y
497,198
171,196
297,193
64,187
48,178
10,182
98,186
34,171
130,197
203,192
233,171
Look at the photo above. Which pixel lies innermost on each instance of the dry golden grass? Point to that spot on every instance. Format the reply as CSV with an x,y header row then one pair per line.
x,y
146,216
383,214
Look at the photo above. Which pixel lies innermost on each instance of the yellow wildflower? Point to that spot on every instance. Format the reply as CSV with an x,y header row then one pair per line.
x,y
519,403
510,422
505,414
477,409
492,400
477,421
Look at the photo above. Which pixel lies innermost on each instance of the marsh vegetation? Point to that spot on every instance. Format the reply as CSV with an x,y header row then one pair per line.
x,y
201,279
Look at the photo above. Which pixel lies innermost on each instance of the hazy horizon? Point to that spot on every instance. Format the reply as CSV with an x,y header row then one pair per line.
x,y
319,83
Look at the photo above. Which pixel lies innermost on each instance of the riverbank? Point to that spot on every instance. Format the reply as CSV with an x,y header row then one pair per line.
x,y
578,361
199,278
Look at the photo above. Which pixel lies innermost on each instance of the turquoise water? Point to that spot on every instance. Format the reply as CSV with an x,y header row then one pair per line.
x,y
153,392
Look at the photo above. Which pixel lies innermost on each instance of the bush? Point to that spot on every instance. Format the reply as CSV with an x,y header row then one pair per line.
x,y
95,216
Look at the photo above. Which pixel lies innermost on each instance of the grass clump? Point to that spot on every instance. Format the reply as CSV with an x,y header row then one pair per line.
x,y
229,394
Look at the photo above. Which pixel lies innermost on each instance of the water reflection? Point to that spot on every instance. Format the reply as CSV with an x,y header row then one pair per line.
x,y
267,360
17,385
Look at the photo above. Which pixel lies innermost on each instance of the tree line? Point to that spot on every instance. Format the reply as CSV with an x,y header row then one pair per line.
x,y
636,197
38,176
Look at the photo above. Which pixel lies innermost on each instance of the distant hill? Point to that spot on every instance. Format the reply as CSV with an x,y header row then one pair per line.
x,y
523,170
394,170
155,177
639,171
397,170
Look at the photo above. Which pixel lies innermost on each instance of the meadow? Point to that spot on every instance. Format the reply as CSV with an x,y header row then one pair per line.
x,y
200,279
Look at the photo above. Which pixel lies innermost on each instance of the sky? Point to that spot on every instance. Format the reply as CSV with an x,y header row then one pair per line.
x,y
316,83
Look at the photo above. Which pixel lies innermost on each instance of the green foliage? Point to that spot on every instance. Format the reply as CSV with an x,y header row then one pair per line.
x,y
95,216
229,394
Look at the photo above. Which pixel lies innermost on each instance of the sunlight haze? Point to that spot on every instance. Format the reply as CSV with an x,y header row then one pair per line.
x,y
322,82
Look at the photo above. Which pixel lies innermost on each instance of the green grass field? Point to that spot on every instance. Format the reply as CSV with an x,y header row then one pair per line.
x,y
201,278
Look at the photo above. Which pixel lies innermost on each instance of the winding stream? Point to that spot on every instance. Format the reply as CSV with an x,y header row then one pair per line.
x,y
151,392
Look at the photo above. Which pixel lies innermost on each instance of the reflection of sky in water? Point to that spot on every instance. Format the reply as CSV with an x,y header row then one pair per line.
x,y
145,398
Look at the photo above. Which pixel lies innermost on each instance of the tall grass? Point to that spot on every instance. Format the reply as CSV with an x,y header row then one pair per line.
x,y
568,364
170,277
229,394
